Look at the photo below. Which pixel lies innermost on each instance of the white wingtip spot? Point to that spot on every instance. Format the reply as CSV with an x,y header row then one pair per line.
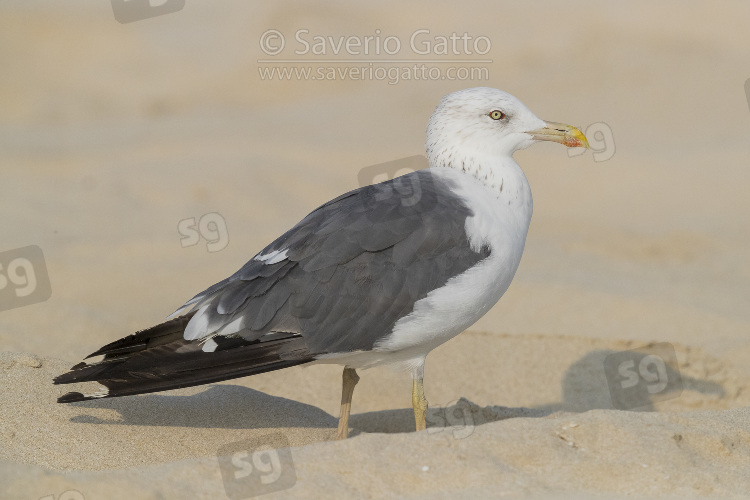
x,y
99,394
210,346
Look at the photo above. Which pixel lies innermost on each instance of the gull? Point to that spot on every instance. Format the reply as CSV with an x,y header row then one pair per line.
x,y
380,275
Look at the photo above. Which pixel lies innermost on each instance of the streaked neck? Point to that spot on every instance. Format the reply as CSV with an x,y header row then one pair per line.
x,y
502,175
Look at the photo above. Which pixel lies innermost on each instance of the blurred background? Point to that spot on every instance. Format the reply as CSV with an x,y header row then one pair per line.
x,y
150,156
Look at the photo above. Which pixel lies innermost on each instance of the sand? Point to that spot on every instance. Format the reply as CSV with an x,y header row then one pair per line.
x,y
112,134
169,444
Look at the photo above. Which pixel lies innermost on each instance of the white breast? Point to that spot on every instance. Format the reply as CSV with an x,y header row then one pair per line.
x,y
501,220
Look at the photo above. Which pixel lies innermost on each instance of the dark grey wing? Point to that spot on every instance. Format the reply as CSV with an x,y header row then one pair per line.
x,y
348,271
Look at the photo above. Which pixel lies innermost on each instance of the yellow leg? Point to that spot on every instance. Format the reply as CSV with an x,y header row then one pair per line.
x,y
350,380
420,403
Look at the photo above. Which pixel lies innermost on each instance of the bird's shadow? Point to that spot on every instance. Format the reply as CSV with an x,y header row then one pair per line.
x,y
459,419
220,406
587,384
595,381
223,406
609,379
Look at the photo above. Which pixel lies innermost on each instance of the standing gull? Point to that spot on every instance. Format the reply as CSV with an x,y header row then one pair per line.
x,y
369,278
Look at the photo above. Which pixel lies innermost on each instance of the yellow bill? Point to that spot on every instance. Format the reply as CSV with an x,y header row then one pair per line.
x,y
567,135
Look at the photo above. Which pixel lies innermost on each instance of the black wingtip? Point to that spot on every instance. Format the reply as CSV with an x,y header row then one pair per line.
x,y
69,376
72,397
142,339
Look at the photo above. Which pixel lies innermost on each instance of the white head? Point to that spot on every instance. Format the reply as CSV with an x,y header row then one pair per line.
x,y
483,126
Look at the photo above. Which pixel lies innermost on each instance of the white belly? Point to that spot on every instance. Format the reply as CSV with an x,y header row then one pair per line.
x,y
501,221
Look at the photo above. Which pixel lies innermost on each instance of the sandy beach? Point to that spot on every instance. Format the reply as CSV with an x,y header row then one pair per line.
x,y
147,159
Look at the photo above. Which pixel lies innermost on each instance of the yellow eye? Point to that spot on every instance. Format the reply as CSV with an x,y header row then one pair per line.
x,y
497,115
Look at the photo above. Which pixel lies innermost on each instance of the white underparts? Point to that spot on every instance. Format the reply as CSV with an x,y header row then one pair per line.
x,y
447,311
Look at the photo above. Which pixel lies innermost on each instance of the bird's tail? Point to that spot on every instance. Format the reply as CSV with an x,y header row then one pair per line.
x,y
158,358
